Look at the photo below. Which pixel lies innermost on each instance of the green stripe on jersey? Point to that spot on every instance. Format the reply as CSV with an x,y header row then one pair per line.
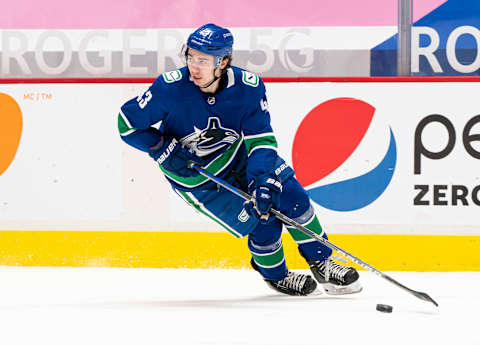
x,y
123,126
269,260
266,140
214,167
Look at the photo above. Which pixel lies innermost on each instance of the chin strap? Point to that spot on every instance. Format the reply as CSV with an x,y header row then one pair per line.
x,y
215,78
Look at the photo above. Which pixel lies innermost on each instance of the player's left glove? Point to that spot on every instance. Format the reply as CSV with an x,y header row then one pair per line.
x,y
266,194
174,157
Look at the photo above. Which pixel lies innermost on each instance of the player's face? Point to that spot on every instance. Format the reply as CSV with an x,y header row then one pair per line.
x,y
201,66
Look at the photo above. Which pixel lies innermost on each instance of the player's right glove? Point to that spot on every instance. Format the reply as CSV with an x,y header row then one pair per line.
x,y
174,157
265,195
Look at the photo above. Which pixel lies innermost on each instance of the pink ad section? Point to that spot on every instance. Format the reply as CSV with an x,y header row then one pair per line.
x,y
136,14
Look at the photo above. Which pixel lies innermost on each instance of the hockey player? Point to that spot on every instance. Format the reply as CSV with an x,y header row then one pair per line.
x,y
217,115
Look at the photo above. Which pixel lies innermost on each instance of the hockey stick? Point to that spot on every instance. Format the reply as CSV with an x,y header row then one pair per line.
x,y
201,170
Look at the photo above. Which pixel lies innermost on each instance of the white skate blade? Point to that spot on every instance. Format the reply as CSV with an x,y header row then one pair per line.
x,y
332,289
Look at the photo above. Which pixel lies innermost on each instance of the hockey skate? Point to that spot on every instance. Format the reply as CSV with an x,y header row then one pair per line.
x,y
335,279
295,284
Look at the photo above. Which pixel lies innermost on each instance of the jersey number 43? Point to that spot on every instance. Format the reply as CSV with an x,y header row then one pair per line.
x,y
144,99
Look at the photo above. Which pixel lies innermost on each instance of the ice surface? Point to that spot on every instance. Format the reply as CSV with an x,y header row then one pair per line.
x,y
179,306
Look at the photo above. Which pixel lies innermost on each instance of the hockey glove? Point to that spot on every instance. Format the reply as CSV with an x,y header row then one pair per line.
x,y
265,195
174,157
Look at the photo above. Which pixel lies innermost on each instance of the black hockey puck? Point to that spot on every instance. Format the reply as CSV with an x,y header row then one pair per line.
x,y
384,308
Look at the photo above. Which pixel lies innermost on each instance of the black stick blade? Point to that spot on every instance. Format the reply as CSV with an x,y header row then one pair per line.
x,y
425,297
418,294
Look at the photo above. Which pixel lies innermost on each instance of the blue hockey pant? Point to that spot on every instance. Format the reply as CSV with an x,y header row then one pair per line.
x,y
264,240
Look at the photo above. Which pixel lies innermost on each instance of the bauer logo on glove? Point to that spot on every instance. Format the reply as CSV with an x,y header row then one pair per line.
x,y
275,184
174,158
167,151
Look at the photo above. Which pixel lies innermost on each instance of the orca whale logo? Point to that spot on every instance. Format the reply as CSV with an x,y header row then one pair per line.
x,y
210,139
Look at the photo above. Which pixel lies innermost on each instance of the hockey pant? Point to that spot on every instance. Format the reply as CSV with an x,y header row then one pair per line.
x,y
264,240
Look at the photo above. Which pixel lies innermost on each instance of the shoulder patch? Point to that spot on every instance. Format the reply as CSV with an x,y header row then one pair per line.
x,y
172,76
250,78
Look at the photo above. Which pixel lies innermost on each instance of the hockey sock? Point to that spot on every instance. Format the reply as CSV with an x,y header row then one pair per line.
x,y
313,224
269,259
310,248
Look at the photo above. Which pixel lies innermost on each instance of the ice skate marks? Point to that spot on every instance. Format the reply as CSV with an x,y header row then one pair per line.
x,y
325,139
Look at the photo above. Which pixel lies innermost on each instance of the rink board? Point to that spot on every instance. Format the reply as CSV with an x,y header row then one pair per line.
x,y
72,193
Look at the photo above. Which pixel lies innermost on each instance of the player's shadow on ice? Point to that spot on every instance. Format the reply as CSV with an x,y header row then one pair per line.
x,y
227,303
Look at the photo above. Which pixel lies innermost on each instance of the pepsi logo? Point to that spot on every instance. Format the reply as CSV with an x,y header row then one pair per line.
x,y
326,139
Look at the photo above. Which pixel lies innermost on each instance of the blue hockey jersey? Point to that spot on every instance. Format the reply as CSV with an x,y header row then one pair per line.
x,y
222,129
